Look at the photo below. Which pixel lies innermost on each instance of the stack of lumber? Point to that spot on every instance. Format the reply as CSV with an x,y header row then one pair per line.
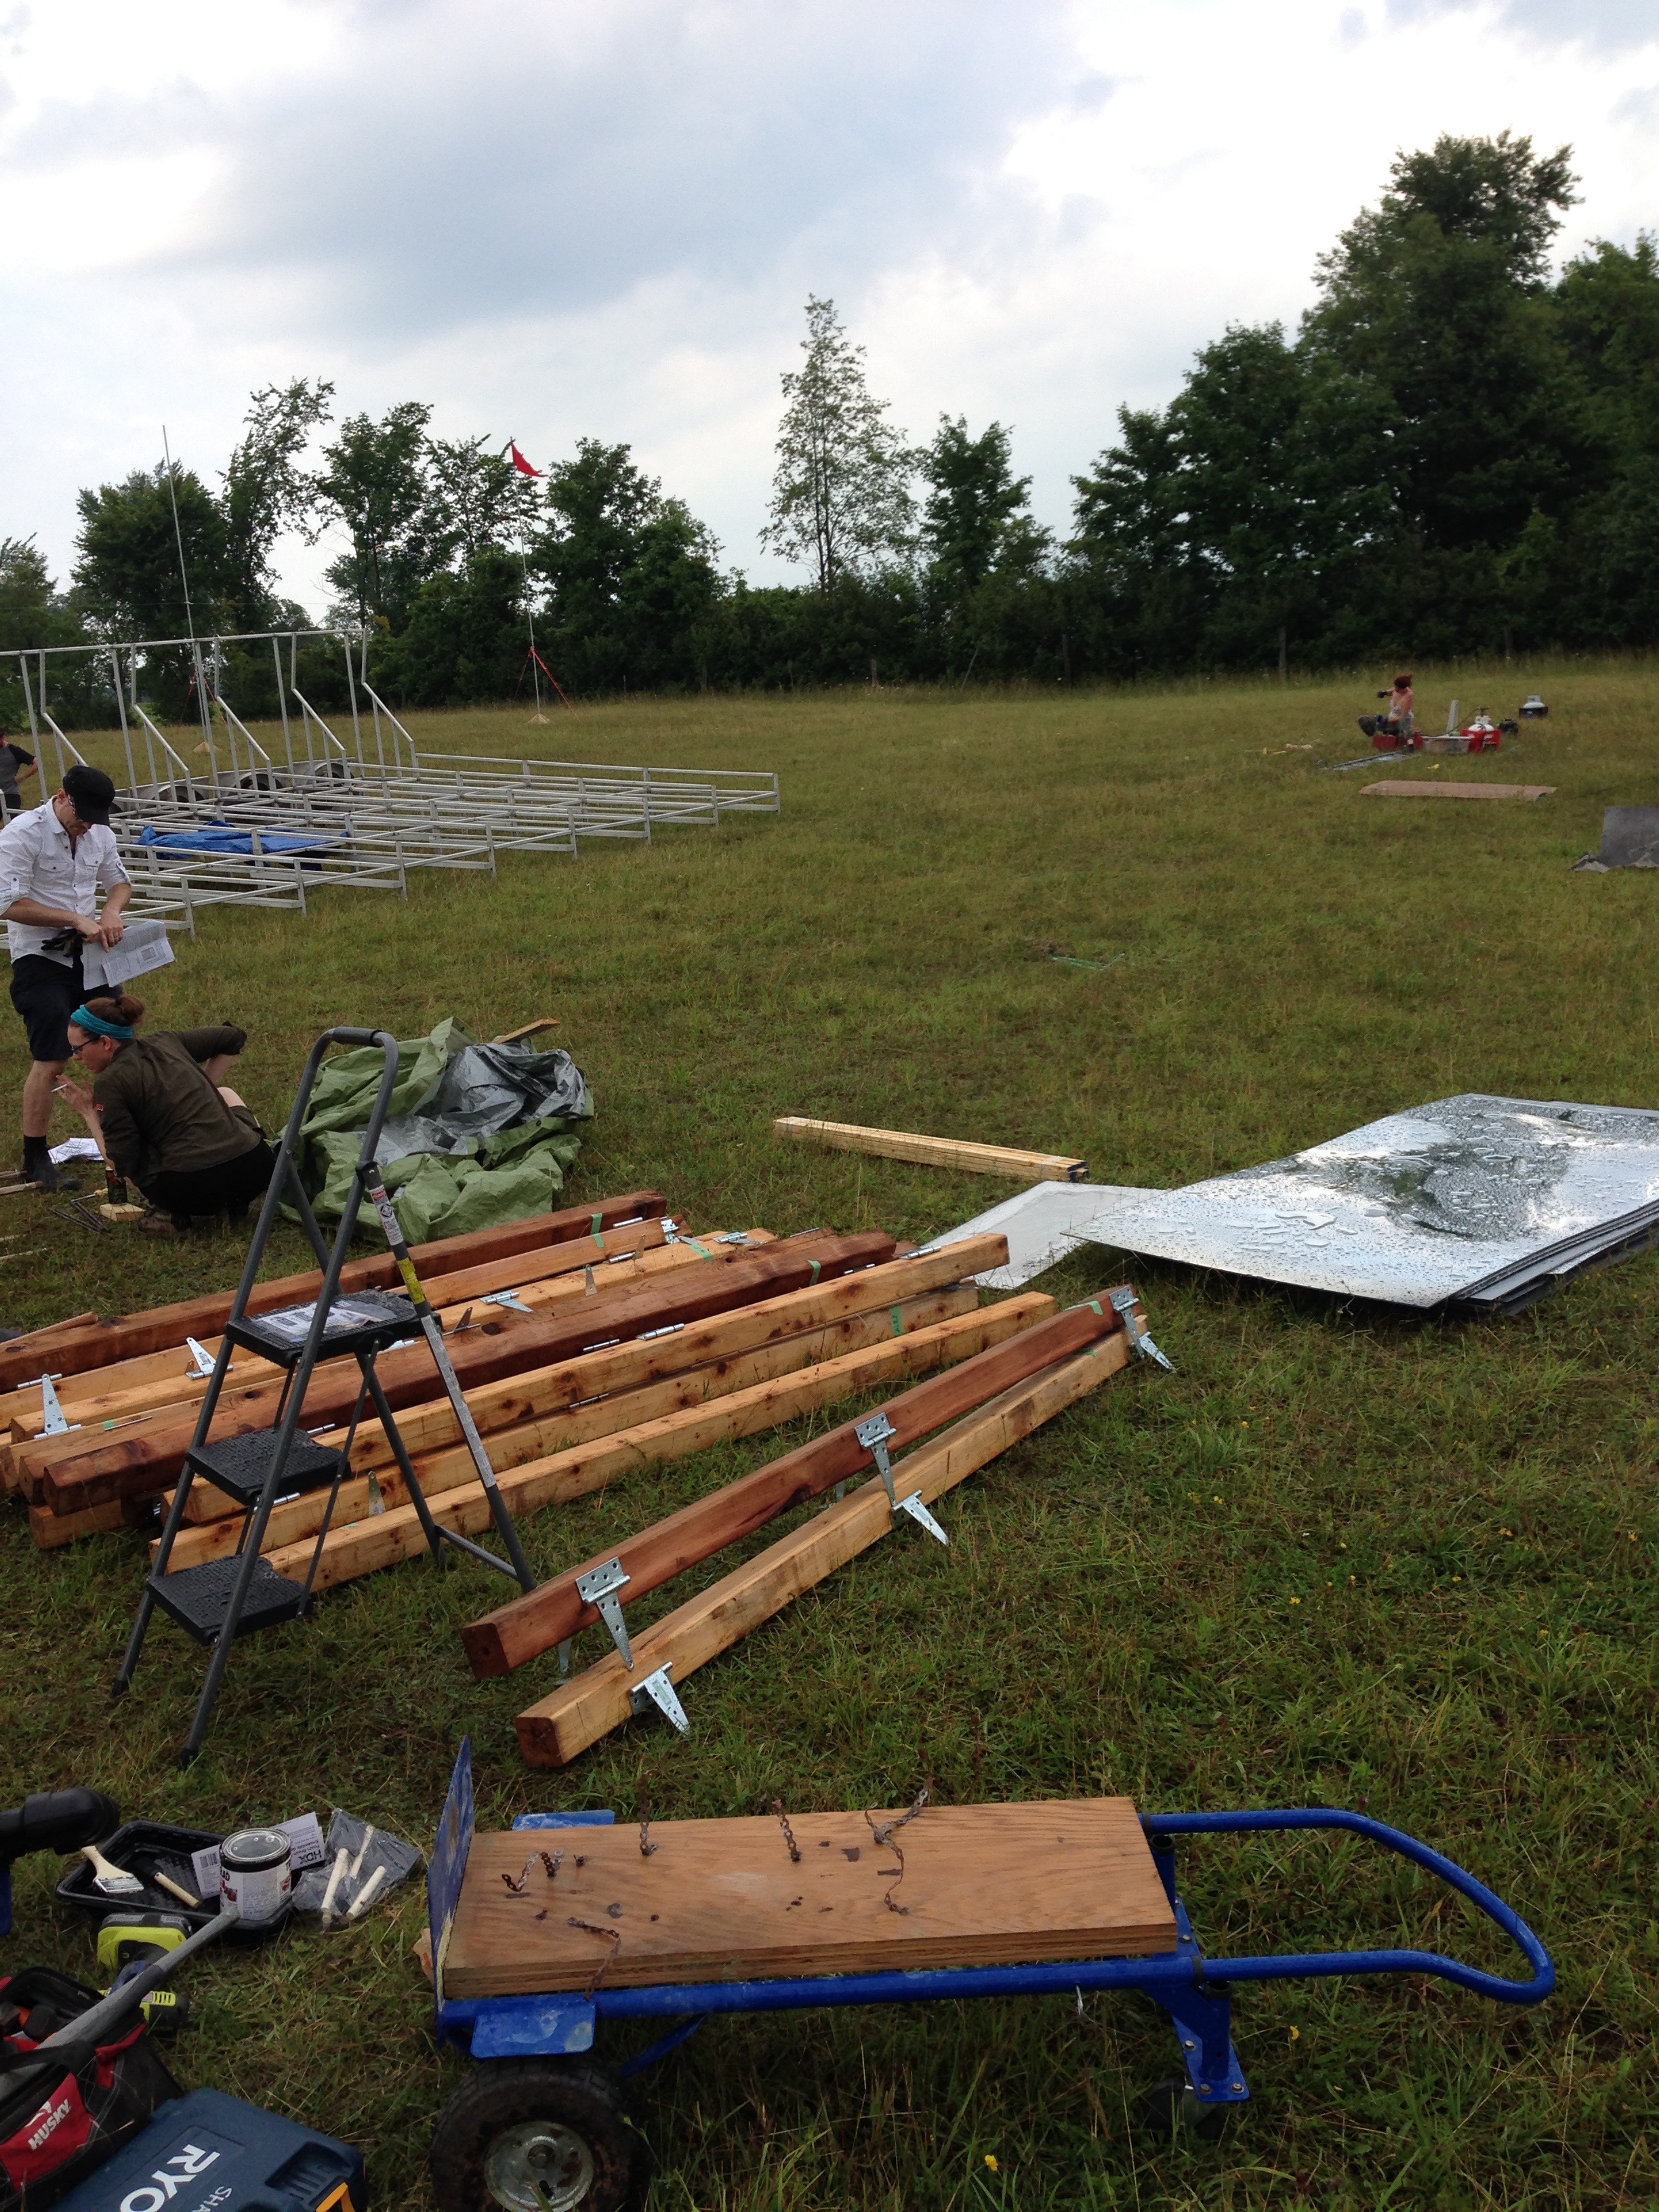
x,y
137,1458
121,1373
994,1399
579,1424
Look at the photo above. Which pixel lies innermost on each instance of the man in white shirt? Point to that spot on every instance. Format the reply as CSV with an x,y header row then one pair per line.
x,y
55,861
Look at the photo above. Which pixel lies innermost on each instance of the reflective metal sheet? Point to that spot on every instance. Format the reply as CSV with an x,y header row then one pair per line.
x,y
1469,1198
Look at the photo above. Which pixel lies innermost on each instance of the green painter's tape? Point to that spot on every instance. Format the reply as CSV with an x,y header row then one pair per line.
x,y
815,1272
702,1250
898,1320
597,1238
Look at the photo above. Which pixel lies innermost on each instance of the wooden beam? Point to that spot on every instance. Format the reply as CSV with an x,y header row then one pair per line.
x,y
51,1531
451,1468
391,1537
934,1152
163,1326
545,1616
131,1464
559,1727
512,1037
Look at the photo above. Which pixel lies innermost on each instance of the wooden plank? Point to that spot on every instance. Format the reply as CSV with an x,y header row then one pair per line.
x,y
1400,787
577,1714
723,1900
391,1537
131,1464
451,1468
512,1037
934,1152
535,1622
706,1345
160,1326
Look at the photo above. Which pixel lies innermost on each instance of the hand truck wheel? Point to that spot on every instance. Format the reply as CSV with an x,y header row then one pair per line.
x,y
538,2135
1170,2109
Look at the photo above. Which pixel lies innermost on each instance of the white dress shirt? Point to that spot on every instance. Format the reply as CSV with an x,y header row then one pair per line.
x,y
38,861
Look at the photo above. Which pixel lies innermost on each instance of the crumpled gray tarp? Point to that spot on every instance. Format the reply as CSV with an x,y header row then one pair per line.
x,y
479,1133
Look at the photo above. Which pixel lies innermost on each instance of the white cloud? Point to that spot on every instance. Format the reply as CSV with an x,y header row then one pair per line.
x,y
554,220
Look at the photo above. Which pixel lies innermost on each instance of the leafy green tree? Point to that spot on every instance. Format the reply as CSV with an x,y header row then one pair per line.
x,y
977,515
34,613
126,571
630,574
465,638
475,499
266,492
1437,295
840,495
374,480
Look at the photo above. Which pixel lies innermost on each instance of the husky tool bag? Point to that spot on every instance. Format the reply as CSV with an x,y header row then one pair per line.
x,y
63,2111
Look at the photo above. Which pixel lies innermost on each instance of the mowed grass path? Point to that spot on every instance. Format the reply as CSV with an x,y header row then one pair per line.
x,y
1340,1556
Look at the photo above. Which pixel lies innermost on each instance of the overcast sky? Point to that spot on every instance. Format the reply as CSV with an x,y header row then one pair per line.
x,y
553,220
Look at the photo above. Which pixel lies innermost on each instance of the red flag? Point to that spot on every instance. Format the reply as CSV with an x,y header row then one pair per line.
x,y
520,463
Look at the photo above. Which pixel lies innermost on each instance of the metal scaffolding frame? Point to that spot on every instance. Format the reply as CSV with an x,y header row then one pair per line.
x,y
258,830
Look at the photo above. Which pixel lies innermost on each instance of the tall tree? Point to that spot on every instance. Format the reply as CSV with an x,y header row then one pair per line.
x,y
629,572
1437,295
840,495
374,481
476,499
266,491
126,571
977,516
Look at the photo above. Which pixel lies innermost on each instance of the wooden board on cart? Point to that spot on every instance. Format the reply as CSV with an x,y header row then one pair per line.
x,y
722,1901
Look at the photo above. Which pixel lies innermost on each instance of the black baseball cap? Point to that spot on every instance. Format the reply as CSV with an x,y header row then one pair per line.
x,y
92,791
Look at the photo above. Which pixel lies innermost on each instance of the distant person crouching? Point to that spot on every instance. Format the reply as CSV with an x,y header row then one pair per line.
x,y
1399,722
162,1116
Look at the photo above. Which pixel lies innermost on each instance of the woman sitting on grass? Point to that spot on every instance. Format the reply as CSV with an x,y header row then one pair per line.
x,y
161,1113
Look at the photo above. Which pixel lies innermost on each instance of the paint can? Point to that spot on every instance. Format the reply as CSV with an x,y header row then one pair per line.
x,y
255,1876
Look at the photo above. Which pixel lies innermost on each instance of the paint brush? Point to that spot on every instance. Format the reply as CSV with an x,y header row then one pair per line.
x,y
114,1881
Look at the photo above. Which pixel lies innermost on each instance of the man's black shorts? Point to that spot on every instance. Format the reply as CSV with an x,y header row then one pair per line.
x,y
46,993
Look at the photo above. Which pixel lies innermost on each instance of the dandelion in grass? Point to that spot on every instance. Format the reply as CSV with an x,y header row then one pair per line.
x,y
1295,2035
991,2161
1296,1601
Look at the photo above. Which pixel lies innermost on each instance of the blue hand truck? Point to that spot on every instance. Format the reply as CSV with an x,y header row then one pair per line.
x,y
540,2127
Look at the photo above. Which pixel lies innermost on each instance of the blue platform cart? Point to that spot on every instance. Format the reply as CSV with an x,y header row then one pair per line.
x,y
540,2126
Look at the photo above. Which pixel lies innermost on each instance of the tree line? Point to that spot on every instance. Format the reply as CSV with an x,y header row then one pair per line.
x,y
1456,452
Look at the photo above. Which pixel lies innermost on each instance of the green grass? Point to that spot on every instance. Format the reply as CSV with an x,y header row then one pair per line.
x,y
1340,1556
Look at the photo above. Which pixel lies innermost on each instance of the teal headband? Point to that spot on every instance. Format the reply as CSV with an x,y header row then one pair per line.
x,y
84,1018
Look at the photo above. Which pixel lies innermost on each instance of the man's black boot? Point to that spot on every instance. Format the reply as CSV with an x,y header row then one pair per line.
x,y
37,1164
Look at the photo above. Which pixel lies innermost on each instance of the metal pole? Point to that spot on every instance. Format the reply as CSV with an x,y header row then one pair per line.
x,y
121,710
281,701
356,726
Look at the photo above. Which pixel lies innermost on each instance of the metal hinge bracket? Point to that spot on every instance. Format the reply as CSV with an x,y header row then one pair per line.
x,y
1123,1303
599,1587
874,1433
657,1689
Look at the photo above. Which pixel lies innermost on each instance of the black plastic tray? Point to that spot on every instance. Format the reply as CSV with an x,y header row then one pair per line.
x,y
143,1848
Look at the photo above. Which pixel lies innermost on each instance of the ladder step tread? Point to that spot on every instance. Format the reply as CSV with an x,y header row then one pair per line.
x,y
241,1466
198,1598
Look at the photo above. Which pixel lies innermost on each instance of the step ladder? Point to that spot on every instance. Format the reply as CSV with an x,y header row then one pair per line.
x,y
223,1599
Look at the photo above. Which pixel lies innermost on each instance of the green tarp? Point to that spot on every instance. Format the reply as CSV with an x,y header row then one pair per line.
x,y
474,1135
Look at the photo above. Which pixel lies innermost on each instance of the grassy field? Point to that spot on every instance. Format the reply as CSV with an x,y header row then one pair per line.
x,y
1340,1556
